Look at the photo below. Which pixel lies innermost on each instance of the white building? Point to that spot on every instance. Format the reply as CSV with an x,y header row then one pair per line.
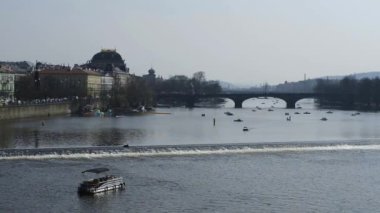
x,y
7,85
106,83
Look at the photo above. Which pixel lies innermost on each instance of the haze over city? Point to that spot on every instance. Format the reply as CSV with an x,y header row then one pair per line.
x,y
241,41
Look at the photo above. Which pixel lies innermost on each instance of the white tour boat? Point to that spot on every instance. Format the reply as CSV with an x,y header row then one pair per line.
x,y
102,184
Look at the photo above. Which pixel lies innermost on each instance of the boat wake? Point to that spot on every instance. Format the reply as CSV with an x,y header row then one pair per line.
x,y
179,150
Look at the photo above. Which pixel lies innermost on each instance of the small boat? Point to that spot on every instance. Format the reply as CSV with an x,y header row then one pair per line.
x,y
307,113
229,113
323,119
238,120
245,129
270,110
102,184
329,112
297,113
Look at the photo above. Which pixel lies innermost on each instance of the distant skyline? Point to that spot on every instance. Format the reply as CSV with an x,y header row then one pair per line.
x,y
246,42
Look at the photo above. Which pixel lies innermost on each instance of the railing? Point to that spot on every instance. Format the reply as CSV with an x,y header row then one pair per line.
x,y
36,102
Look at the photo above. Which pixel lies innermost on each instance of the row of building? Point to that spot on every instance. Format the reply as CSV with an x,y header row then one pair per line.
x,y
105,70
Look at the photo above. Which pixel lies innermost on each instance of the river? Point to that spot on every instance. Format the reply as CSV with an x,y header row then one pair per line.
x,y
179,161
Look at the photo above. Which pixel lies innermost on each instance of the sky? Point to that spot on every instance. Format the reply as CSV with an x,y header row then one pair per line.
x,y
247,42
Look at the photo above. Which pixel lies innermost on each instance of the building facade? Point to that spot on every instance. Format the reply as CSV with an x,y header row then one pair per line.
x,y
10,72
106,83
7,85
67,83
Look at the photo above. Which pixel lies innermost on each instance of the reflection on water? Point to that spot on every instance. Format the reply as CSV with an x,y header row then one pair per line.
x,y
116,136
108,137
33,138
36,138
6,134
188,126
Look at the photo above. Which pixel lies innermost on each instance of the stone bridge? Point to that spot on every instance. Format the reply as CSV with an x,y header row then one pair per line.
x,y
239,98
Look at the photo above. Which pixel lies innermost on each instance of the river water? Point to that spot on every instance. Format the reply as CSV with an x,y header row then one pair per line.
x,y
178,161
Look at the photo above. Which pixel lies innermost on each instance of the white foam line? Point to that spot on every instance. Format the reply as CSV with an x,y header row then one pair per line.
x,y
153,153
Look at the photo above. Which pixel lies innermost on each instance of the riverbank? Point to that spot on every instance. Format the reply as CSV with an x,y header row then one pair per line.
x,y
33,110
357,107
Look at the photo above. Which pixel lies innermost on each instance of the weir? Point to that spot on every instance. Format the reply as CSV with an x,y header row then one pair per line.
x,y
180,150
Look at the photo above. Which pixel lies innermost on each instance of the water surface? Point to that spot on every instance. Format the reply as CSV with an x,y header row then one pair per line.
x,y
187,126
181,162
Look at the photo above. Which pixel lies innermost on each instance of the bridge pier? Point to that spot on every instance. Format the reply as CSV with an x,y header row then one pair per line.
x,y
291,104
238,104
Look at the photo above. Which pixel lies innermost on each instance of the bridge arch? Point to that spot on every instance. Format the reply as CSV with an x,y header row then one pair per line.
x,y
264,102
304,100
229,103
238,99
289,99
289,102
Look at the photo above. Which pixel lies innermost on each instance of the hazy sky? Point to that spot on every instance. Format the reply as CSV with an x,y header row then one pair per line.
x,y
239,41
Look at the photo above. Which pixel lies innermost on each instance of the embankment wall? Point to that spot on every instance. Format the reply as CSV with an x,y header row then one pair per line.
x,y
27,111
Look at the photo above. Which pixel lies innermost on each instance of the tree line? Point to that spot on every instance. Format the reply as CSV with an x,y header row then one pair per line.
x,y
139,93
135,93
197,84
349,92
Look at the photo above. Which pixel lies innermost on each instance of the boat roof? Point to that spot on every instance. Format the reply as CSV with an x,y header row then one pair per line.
x,y
96,170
